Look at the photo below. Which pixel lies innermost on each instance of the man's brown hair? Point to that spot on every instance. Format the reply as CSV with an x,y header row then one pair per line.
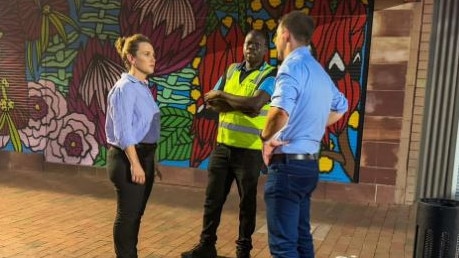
x,y
299,24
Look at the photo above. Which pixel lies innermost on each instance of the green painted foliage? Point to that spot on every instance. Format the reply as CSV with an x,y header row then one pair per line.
x,y
174,117
102,18
101,159
176,140
175,144
58,57
173,85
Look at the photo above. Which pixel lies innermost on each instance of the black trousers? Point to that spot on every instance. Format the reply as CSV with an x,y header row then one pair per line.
x,y
226,165
131,198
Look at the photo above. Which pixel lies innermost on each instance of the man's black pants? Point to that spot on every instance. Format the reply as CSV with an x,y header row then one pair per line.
x,y
226,165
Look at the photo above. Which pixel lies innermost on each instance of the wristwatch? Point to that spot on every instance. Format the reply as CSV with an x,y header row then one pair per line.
x,y
261,137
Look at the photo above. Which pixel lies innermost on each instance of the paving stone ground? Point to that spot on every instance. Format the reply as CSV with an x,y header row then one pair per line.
x,y
57,215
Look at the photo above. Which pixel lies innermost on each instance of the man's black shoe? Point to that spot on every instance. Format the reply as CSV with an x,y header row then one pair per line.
x,y
201,251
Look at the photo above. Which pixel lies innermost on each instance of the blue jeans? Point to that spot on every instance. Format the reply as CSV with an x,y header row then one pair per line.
x,y
287,195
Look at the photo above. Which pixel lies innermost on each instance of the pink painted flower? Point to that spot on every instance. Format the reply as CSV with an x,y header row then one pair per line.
x,y
47,107
75,143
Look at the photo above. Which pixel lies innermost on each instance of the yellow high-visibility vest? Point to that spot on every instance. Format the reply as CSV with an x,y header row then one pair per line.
x,y
235,128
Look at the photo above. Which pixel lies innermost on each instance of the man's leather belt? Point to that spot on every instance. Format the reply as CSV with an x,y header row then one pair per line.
x,y
286,157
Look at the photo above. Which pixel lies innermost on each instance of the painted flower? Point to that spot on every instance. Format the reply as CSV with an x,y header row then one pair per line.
x,y
75,143
41,20
164,10
339,39
175,28
47,107
42,15
97,68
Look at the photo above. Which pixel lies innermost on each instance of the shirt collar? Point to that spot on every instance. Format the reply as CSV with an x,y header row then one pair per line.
x,y
303,50
241,66
133,79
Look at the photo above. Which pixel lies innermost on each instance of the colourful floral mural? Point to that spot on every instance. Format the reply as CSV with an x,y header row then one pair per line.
x,y
58,62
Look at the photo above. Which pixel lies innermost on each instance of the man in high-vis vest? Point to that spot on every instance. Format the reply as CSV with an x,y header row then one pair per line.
x,y
241,97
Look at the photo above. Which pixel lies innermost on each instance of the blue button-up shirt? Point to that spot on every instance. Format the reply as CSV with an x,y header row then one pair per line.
x,y
307,93
132,114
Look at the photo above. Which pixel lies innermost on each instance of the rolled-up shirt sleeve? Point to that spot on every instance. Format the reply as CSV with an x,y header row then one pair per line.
x,y
123,110
339,101
286,92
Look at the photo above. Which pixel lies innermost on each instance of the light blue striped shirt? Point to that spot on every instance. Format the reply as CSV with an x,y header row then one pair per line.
x,y
132,114
307,93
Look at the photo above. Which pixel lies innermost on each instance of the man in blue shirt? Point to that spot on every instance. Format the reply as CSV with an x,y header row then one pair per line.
x,y
304,102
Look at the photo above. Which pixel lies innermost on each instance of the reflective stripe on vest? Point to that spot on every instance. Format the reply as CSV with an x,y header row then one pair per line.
x,y
235,128
240,128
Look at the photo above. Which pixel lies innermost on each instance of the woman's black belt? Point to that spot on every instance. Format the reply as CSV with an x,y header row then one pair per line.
x,y
144,144
139,145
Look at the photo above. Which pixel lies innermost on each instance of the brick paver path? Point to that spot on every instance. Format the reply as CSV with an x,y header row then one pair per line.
x,y
54,215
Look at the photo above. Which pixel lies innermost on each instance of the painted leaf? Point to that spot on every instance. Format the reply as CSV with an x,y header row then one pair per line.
x,y
204,130
174,118
175,144
14,135
101,159
2,120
